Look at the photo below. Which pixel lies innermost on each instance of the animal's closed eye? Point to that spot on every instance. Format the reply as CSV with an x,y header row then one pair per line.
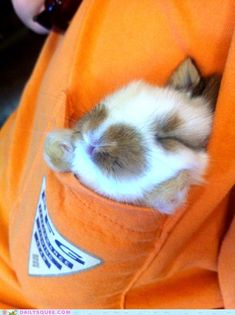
x,y
169,144
173,132
176,143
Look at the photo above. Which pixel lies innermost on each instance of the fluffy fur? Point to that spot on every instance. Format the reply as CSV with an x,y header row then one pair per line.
x,y
143,144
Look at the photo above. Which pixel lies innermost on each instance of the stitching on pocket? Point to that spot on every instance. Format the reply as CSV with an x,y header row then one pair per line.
x,y
103,216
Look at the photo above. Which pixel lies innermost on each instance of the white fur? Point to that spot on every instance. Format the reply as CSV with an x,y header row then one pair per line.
x,y
138,105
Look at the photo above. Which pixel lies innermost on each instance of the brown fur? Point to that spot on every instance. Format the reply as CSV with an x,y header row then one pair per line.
x,y
164,130
121,152
92,119
170,144
171,124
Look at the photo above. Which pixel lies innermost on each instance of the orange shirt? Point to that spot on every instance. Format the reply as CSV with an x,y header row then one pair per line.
x,y
62,245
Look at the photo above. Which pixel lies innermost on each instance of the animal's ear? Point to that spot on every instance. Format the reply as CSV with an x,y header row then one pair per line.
x,y
185,77
58,150
211,89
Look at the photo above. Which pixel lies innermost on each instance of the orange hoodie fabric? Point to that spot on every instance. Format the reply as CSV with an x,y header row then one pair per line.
x,y
64,246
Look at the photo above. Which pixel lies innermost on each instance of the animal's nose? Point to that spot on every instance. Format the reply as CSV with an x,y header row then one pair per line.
x,y
90,149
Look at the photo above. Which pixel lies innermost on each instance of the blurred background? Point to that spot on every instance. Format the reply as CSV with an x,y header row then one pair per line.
x,y
19,49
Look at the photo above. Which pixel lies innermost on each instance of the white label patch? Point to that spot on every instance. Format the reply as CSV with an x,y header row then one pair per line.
x,y
50,253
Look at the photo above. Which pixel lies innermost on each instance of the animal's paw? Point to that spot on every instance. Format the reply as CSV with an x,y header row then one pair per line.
x,y
171,194
167,204
58,150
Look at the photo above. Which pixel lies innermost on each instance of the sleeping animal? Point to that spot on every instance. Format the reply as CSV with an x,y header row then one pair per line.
x,y
143,144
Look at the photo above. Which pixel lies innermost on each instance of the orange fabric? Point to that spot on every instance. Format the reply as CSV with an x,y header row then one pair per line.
x,y
148,260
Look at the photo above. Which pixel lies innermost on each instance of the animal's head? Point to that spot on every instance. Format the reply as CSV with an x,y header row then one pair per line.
x,y
140,126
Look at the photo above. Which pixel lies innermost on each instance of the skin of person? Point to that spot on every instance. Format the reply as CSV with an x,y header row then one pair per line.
x,y
26,10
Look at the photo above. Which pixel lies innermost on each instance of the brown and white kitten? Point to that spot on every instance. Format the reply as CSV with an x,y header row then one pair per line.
x,y
143,144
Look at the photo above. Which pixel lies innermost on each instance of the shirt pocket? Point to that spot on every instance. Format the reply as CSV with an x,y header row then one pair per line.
x,y
70,247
